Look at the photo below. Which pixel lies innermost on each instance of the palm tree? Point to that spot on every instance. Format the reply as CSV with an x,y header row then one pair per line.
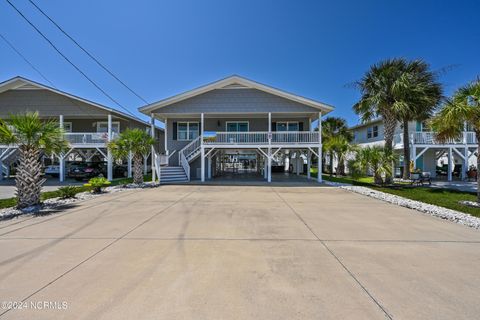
x,y
379,95
377,160
418,94
339,146
31,135
136,142
463,108
332,127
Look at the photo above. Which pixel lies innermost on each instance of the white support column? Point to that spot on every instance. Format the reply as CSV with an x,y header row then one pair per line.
x,y
269,128
319,174
298,161
449,175
202,150
61,162
265,169
209,166
309,163
202,163
414,156
145,168
166,137
269,162
465,163
109,153
152,134
61,175
129,166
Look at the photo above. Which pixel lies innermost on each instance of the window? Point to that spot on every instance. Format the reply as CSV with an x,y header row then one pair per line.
x,y
67,126
372,132
288,126
187,131
102,126
237,126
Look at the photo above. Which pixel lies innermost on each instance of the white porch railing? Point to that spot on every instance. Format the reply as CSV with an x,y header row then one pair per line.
x,y
429,138
187,153
88,137
261,137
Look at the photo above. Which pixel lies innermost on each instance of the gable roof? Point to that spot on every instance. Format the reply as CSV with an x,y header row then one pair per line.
x,y
235,82
20,83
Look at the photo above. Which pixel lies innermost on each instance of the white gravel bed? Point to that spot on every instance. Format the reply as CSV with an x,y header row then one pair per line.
x,y
433,210
51,204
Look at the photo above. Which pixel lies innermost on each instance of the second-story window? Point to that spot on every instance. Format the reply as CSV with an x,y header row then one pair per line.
x,y
372,132
102,126
288,126
237,126
187,130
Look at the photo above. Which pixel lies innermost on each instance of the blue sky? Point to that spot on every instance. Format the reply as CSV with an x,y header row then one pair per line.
x,y
312,48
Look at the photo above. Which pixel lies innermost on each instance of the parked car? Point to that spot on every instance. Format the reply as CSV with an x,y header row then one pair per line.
x,y
52,170
84,171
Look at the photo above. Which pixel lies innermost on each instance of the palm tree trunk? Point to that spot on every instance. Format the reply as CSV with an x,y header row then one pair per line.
x,y
137,169
28,178
331,163
478,168
406,151
389,123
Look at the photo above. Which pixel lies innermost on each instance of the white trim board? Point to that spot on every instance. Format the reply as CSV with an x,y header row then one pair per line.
x,y
239,82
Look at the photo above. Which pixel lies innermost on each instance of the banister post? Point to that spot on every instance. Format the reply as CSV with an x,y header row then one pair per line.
x,y
152,134
202,150
319,174
109,153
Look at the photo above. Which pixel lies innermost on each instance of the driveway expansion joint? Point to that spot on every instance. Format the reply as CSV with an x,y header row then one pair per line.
x,y
350,273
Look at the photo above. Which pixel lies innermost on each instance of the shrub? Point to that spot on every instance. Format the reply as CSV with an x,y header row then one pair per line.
x,y
97,184
68,192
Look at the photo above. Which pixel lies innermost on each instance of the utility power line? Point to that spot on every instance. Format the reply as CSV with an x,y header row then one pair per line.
x,y
68,60
24,58
87,52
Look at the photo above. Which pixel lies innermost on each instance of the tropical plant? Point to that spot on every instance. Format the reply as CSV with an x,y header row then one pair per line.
x,y
32,136
68,192
379,89
334,127
463,108
136,142
376,160
97,184
418,94
338,146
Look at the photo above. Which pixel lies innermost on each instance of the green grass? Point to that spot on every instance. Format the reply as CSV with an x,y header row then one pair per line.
x,y
446,198
11,202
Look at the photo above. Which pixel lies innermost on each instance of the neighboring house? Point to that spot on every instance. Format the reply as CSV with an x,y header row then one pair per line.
x,y
452,159
237,127
88,125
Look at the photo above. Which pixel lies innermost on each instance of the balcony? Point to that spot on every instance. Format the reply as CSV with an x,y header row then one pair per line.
x,y
261,138
468,137
88,138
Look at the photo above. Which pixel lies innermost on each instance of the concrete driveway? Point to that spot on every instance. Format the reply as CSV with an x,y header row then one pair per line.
x,y
230,252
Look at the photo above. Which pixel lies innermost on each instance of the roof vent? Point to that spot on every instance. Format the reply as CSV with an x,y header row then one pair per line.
x,y
235,86
28,86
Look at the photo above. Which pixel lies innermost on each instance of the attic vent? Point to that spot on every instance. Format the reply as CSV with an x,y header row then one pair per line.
x,y
27,87
235,86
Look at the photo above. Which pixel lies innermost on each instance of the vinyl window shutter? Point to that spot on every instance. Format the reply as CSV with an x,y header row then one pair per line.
x,y
174,127
300,126
274,126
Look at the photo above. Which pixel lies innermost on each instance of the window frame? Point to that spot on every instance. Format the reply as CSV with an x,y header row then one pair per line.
x,y
68,123
372,132
237,122
188,130
114,124
287,125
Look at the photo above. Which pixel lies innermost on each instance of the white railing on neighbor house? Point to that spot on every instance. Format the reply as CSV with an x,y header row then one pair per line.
x,y
429,138
88,137
185,165
261,137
